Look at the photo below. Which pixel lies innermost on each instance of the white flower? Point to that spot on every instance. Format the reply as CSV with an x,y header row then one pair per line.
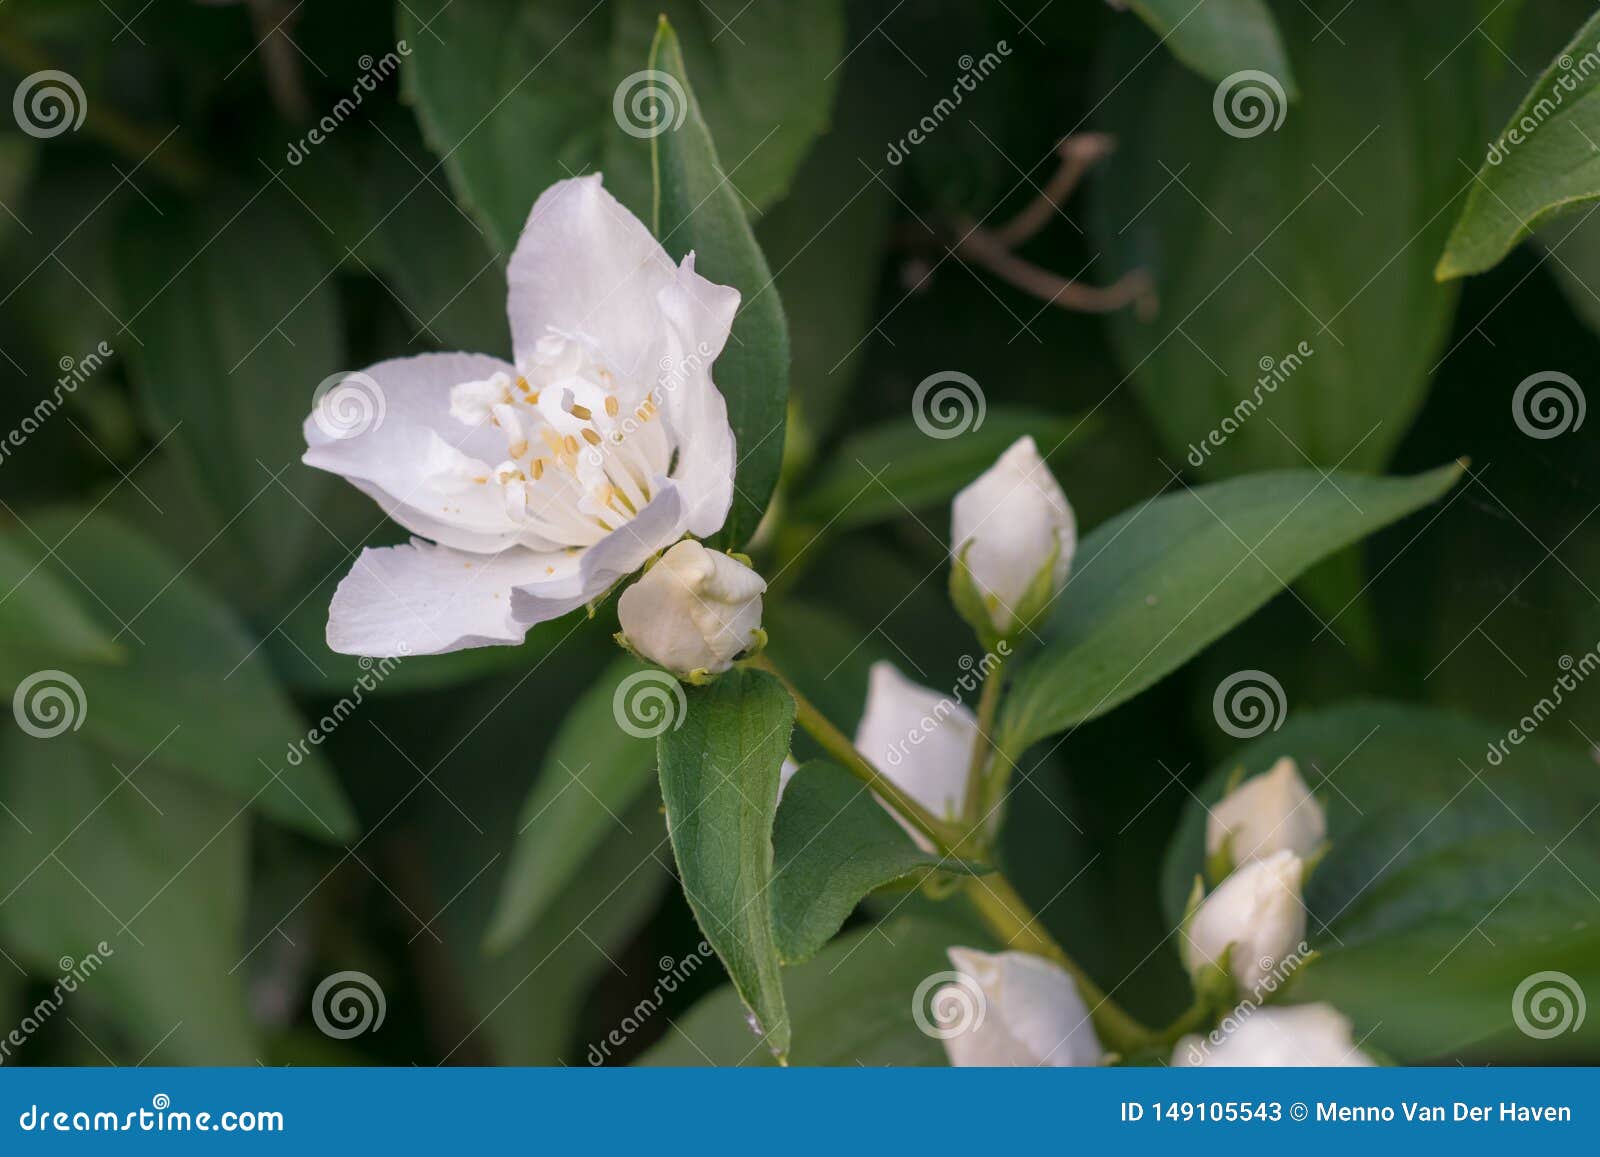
x,y
918,738
693,611
1267,813
539,484
1026,1011
1288,1036
1007,527
1258,911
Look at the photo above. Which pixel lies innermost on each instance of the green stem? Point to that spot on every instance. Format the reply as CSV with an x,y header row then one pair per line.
x,y
1011,921
1197,1016
835,743
988,707
104,122
996,901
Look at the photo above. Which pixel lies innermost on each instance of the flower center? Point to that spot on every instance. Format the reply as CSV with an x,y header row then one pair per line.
x,y
582,451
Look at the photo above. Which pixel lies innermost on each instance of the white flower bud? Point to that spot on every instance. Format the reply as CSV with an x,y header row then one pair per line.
x,y
694,611
919,739
1012,1009
1272,812
1013,531
1288,1036
1257,910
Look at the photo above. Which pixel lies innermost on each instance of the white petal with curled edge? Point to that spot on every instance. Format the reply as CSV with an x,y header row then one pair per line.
x,y
587,267
597,568
700,316
422,599
398,459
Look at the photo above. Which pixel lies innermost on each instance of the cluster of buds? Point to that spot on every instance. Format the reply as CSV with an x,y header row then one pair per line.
x,y
1241,941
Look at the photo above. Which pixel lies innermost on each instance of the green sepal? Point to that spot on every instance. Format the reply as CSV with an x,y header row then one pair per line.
x,y
969,602
1220,863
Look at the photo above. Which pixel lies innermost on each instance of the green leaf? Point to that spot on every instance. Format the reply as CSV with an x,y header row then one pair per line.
x,y
1153,586
852,1004
698,209
719,782
894,468
1218,38
40,616
593,771
1299,258
834,844
151,865
516,96
1452,874
194,693
1544,161
238,322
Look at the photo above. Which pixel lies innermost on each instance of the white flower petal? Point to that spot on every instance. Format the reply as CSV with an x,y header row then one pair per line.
x,y
1032,1014
694,610
700,315
587,267
1284,1036
597,568
400,460
1013,515
1268,813
422,599
918,738
1258,911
